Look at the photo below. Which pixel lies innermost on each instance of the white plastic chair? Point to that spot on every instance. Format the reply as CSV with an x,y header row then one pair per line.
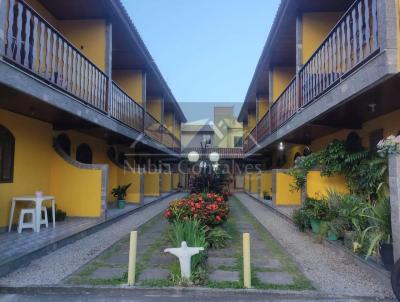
x,y
29,224
45,220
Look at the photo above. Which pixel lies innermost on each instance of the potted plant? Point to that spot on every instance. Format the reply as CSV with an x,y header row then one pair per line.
x,y
379,232
317,211
60,215
120,193
267,196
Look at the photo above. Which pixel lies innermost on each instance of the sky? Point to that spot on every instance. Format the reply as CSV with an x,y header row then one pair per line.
x,y
207,50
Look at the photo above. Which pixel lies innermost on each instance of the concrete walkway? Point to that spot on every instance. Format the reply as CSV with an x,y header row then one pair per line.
x,y
53,268
330,272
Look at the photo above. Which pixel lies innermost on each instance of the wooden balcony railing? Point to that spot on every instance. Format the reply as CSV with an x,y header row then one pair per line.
x,y
285,106
153,128
351,44
125,109
32,43
263,127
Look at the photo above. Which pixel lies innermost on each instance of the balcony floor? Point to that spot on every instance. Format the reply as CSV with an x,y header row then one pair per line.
x,y
18,249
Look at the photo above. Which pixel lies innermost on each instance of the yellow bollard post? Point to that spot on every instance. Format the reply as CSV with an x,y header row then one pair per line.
x,y
132,259
246,261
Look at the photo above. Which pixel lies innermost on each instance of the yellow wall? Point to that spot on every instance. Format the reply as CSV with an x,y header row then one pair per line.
x,y
38,167
252,121
129,177
43,12
154,107
169,121
254,182
318,186
166,182
262,107
281,77
266,183
316,27
77,191
284,195
32,159
389,123
175,180
247,182
151,184
89,36
130,81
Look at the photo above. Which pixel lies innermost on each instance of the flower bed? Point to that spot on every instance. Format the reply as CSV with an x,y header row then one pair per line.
x,y
210,209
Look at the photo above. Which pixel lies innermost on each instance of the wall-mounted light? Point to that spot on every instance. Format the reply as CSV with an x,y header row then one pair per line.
x,y
281,146
372,107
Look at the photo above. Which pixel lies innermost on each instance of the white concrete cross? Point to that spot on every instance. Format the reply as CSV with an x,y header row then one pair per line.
x,y
184,254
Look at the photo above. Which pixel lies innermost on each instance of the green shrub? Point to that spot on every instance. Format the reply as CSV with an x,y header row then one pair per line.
x,y
301,219
217,238
317,209
194,234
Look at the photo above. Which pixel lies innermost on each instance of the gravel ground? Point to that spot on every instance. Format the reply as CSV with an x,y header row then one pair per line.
x,y
330,272
53,268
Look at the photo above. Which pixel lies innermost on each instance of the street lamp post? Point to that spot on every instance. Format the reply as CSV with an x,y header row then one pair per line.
x,y
206,163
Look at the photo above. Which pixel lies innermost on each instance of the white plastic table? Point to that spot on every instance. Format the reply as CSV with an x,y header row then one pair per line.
x,y
38,208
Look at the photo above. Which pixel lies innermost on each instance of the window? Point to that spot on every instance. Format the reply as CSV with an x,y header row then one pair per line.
x,y
64,143
7,148
374,138
238,141
84,154
207,139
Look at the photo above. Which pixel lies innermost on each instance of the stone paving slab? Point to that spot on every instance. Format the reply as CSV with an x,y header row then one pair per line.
x,y
108,273
226,252
279,278
153,274
266,263
224,276
119,258
162,259
218,261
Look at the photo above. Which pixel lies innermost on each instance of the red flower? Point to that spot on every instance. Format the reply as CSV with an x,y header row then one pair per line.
x,y
217,218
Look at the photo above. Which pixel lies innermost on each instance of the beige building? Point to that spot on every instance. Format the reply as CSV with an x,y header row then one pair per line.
x,y
228,131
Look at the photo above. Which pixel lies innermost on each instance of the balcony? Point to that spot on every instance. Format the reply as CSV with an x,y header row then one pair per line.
x,y
35,46
351,44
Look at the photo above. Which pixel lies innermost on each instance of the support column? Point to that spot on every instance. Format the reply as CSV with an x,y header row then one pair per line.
x,y
160,173
273,192
259,184
394,184
299,42
270,98
144,97
387,24
108,70
141,171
